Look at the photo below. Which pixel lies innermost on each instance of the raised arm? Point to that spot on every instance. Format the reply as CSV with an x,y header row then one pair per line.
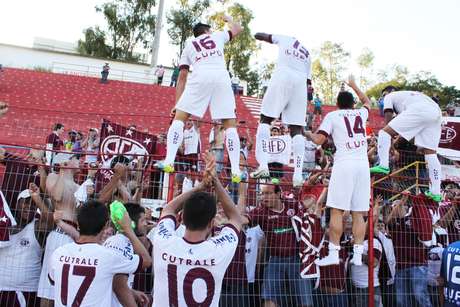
x,y
233,26
138,247
362,97
107,191
264,37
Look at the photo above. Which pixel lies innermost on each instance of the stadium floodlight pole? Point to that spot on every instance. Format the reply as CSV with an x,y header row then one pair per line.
x,y
156,39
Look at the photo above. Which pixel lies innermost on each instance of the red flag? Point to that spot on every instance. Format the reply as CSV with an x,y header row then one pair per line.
x,y
118,140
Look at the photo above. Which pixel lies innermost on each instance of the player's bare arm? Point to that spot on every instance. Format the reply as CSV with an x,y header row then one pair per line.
x,y
362,97
317,138
230,210
123,291
181,81
138,247
388,116
174,206
234,27
46,216
107,191
263,37
3,108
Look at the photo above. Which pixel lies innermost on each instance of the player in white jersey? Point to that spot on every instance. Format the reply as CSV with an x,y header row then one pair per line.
x,y
208,85
286,95
350,183
189,269
418,117
82,271
121,244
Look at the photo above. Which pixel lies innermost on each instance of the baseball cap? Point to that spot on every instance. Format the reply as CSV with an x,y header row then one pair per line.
x,y
24,194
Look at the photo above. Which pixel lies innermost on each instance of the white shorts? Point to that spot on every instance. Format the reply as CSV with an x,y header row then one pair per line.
x,y
55,239
208,87
421,122
350,186
286,95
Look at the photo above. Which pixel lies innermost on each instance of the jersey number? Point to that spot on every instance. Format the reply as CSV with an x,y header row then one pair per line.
x,y
189,279
206,43
88,272
302,50
357,128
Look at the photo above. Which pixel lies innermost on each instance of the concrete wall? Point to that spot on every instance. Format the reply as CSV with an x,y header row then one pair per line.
x,y
30,58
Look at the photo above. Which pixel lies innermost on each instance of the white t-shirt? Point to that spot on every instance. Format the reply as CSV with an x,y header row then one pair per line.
x,y
348,130
310,152
205,51
119,243
191,141
401,100
84,272
292,55
20,261
187,274
359,273
253,237
434,265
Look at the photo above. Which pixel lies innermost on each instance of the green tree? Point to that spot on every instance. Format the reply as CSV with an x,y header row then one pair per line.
x,y
253,79
376,90
130,24
182,19
94,43
239,50
319,75
365,61
267,71
332,57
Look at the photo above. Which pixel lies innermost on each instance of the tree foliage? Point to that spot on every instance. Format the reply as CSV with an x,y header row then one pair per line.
x,y
239,50
182,19
332,60
130,24
365,61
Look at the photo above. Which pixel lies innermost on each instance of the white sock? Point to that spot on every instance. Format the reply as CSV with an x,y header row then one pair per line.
x,y
298,149
434,169
174,140
384,142
262,138
232,141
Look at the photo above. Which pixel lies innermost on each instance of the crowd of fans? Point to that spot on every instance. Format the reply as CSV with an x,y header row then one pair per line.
x,y
286,229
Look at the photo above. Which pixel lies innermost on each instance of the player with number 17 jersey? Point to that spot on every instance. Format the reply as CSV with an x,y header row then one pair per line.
x,y
350,177
190,273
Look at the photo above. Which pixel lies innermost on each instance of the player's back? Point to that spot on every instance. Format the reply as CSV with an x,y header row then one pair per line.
x,y
83,273
205,52
190,274
401,100
449,272
292,56
348,130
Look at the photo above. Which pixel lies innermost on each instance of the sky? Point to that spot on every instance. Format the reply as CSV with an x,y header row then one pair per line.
x,y
419,34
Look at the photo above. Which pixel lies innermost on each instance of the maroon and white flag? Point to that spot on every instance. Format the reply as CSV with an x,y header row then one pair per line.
x,y
449,145
6,221
118,140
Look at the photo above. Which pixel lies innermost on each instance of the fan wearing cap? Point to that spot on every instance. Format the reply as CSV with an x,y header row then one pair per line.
x,y
20,260
208,86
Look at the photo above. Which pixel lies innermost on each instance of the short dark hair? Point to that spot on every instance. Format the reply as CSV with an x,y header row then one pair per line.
x,y
200,28
345,100
57,126
389,89
92,218
119,159
134,210
199,210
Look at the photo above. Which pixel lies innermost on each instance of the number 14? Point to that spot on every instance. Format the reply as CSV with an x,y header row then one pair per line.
x,y
357,128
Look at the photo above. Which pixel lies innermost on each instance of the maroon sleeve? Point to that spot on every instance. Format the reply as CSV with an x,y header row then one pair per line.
x,y
421,219
322,132
51,139
186,67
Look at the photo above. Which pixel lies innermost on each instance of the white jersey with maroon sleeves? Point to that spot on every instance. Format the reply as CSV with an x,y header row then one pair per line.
x,y
186,273
82,273
120,244
347,127
205,51
292,55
